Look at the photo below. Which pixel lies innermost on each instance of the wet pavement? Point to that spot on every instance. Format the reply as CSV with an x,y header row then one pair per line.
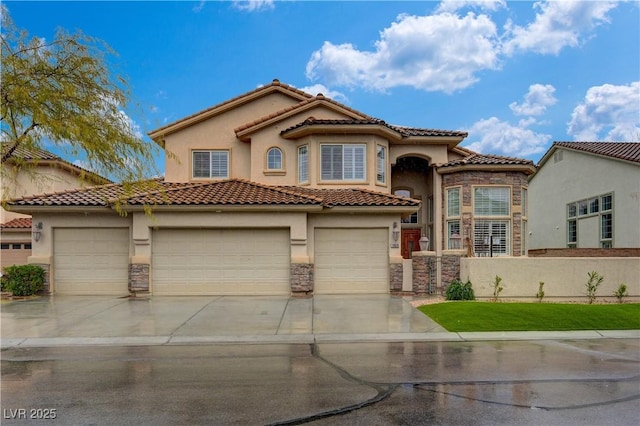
x,y
555,382
100,320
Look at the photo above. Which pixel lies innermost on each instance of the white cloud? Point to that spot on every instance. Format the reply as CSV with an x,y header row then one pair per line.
x,y
198,7
434,53
536,100
558,24
455,5
607,113
253,5
500,137
321,88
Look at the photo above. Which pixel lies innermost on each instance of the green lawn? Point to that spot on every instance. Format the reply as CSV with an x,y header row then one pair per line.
x,y
486,316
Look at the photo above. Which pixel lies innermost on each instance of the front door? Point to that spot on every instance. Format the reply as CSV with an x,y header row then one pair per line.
x,y
410,242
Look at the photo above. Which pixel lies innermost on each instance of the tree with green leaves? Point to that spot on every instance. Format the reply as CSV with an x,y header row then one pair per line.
x,y
62,92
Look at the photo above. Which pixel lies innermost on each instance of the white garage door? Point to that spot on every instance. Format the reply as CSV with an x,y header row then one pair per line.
x,y
91,261
351,261
221,261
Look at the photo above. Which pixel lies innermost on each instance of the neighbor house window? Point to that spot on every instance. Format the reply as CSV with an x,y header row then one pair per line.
x,y
303,164
343,162
453,219
210,164
582,211
381,164
274,159
606,221
491,231
523,239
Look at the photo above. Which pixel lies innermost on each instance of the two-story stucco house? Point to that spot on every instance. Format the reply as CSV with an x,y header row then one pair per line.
x,y
280,192
37,171
586,195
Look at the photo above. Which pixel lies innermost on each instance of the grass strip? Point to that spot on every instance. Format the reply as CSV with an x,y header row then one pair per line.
x,y
503,316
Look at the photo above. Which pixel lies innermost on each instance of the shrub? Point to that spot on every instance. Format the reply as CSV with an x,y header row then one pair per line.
x,y
497,288
621,292
457,290
23,280
595,279
540,293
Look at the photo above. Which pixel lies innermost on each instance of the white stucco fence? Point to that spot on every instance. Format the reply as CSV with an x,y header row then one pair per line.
x,y
563,277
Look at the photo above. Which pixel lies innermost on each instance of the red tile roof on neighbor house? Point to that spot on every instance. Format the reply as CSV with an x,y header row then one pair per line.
x,y
231,192
18,223
628,151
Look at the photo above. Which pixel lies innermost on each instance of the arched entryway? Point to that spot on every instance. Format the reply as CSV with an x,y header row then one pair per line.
x,y
411,176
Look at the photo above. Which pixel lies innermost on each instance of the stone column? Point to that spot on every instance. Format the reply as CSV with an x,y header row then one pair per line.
x,y
301,279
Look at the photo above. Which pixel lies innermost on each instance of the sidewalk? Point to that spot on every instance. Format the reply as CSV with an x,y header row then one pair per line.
x,y
102,320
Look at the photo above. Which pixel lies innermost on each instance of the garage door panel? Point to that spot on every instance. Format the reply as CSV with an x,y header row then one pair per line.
x,y
351,261
91,261
221,261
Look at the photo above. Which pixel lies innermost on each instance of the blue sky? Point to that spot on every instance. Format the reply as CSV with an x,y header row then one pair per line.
x,y
515,75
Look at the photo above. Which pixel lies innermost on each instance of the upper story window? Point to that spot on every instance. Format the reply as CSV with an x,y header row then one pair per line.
x,y
491,201
274,159
303,164
343,162
381,164
413,217
211,164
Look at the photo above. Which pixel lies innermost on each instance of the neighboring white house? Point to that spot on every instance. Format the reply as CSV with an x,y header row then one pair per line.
x,y
586,195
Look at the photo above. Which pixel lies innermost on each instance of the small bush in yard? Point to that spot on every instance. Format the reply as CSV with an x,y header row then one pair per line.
x,y
497,288
23,280
540,293
458,290
621,292
595,279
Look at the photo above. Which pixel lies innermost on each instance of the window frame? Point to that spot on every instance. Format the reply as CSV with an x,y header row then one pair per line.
x,y
381,164
478,212
354,177
227,157
503,249
449,192
303,164
268,159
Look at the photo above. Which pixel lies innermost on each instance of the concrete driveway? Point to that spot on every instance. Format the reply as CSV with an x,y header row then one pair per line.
x,y
52,320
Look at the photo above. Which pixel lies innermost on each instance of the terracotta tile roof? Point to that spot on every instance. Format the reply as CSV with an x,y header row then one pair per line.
x,y
356,197
236,192
629,151
18,223
299,105
404,131
486,160
40,155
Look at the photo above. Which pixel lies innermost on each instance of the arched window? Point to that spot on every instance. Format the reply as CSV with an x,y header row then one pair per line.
x,y
274,159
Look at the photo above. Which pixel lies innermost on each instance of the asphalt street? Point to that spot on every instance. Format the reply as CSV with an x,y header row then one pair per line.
x,y
552,382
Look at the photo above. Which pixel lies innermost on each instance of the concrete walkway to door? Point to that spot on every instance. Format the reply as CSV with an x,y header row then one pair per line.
x,y
69,320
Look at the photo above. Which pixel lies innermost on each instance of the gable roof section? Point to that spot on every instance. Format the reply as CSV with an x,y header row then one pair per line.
x,y
626,151
485,161
39,156
275,86
232,192
242,132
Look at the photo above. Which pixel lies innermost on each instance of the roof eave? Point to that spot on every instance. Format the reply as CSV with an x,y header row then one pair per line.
x,y
371,209
220,208
450,141
343,129
525,168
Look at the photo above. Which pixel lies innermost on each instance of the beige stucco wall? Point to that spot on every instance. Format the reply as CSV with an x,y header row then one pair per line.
x,y
563,277
218,133
578,176
37,180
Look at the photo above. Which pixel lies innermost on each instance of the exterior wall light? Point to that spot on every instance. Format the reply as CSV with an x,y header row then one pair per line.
x,y
37,231
395,233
